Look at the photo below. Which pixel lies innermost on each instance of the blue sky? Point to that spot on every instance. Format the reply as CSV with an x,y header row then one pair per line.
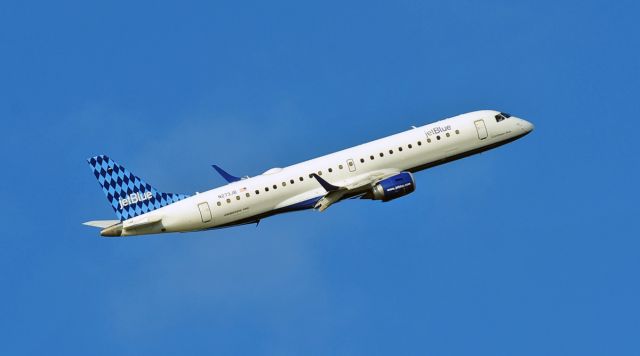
x,y
529,249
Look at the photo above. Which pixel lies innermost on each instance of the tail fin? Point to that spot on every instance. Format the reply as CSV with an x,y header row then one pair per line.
x,y
128,195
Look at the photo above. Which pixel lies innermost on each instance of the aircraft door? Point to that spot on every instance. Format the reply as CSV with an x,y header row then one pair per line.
x,y
482,129
205,212
351,165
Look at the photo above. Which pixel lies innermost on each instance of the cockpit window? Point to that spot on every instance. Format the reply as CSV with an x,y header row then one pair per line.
x,y
501,116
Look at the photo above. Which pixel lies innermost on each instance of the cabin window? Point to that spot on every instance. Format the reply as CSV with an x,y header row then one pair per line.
x,y
228,200
438,137
340,166
428,140
400,149
284,184
361,160
266,189
390,152
457,132
310,176
292,181
381,154
409,145
330,170
257,192
275,186
301,179
419,143
219,203
371,157
237,197
319,173
247,195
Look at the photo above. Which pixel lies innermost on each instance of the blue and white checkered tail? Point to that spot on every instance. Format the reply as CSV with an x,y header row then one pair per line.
x,y
128,195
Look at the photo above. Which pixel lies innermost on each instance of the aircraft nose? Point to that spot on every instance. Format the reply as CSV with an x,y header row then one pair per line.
x,y
525,125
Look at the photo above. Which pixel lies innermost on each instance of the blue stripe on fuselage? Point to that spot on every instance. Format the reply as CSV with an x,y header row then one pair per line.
x,y
303,205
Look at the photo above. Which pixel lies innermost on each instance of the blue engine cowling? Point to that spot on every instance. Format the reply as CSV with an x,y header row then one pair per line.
x,y
394,187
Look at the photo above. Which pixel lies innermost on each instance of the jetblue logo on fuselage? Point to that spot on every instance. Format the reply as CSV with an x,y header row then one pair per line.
x,y
134,198
438,129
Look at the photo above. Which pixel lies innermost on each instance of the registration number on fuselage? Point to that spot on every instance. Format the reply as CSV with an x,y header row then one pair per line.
x,y
227,194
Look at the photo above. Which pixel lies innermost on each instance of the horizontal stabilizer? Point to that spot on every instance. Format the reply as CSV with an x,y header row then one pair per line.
x,y
228,177
141,222
101,223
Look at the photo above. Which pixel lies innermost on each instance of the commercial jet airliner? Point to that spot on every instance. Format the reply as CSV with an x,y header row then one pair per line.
x,y
379,170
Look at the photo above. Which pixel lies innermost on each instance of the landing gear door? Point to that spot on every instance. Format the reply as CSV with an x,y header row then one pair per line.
x,y
351,165
205,212
482,129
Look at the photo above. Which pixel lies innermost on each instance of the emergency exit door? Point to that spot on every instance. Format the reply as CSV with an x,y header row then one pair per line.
x,y
205,212
482,129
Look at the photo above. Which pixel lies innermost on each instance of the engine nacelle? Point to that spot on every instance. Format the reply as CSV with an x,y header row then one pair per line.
x,y
394,187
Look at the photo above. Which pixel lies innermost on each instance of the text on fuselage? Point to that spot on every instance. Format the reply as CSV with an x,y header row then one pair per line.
x,y
438,129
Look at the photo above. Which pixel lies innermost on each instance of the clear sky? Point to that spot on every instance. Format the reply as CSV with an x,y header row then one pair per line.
x,y
529,249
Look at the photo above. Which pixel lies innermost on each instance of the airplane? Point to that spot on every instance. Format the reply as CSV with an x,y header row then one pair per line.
x,y
378,170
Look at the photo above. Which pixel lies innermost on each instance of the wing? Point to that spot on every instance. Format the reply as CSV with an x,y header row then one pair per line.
x,y
360,186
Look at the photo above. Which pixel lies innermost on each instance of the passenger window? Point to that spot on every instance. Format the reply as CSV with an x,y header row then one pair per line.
x,y
275,186
448,134
310,176
361,160
457,132
419,143
228,200
292,181
400,149
247,195
237,197
409,146
390,152
266,189
381,154
340,166
371,157
257,192
438,137
219,203
301,179
428,140
330,170
319,173
284,184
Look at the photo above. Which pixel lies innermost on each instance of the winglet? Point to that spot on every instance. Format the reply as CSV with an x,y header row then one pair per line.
x,y
228,177
326,185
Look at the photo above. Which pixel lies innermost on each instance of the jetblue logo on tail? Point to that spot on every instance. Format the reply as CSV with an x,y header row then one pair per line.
x,y
134,198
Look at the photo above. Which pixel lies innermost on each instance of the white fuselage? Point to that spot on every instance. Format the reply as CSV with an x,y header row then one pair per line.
x,y
291,188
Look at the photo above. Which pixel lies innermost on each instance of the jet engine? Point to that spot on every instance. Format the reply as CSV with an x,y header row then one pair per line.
x,y
394,187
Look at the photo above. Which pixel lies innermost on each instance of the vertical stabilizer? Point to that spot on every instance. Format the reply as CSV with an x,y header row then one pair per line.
x,y
128,195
